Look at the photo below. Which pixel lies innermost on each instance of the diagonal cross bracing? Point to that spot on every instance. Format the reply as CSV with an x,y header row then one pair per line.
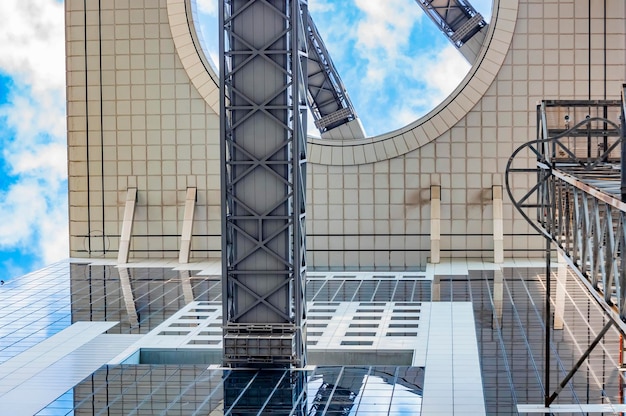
x,y
578,203
574,197
263,114
457,19
327,95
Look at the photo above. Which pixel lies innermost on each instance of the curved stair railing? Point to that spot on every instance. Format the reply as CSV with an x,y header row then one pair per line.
x,y
574,202
577,202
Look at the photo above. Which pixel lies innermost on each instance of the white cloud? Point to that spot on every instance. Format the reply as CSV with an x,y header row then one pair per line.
x,y
447,69
32,130
426,89
35,204
207,6
386,24
32,38
396,63
321,6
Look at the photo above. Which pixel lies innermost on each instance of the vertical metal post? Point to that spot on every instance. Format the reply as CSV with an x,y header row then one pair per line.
x,y
547,325
623,147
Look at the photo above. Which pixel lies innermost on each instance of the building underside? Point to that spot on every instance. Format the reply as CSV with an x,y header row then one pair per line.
x,y
221,262
178,371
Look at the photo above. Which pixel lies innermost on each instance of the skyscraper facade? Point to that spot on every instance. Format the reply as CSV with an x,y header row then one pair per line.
x,y
424,284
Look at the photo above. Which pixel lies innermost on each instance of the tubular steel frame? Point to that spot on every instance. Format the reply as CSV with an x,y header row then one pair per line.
x,y
587,224
329,102
457,19
263,146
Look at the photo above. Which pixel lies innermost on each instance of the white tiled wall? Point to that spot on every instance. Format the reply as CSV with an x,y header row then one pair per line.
x,y
148,127
147,108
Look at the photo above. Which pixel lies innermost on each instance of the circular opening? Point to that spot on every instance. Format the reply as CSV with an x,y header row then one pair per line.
x,y
395,63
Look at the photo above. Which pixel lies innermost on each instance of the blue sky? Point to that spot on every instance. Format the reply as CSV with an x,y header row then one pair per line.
x,y
33,177
395,64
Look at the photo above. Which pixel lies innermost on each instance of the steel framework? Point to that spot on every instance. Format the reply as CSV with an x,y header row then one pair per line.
x,y
263,144
329,102
576,199
457,19
577,203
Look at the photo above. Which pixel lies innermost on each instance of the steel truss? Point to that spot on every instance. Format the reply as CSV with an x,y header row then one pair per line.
x,y
567,204
457,19
263,145
576,201
328,99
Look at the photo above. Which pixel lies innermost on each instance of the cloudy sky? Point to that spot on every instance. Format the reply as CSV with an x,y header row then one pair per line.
x,y
33,207
383,50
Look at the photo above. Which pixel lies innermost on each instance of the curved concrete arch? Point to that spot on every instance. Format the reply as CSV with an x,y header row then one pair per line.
x,y
377,148
182,20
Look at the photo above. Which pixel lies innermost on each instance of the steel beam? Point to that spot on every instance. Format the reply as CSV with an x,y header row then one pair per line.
x,y
573,202
575,207
457,19
263,144
328,99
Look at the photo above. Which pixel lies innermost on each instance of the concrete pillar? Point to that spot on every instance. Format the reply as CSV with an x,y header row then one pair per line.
x,y
435,224
185,281
127,225
561,278
129,298
185,237
498,294
498,225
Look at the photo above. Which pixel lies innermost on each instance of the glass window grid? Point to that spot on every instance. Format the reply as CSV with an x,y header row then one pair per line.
x,y
40,304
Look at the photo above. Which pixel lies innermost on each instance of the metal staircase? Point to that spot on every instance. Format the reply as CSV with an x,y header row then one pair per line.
x,y
327,96
460,22
577,201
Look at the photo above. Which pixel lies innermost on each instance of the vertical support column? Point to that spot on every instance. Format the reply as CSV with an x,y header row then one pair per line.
x,y
435,289
498,292
622,364
127,225
435,223
561,279
263,149
185,237
498,225
185,282
129,299
623,146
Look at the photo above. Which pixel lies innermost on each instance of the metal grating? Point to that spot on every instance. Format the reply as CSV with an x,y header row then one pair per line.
x,y
457,19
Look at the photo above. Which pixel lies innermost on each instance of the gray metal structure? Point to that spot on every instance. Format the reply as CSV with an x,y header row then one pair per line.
x,y
263,144
577,204
458,20
576,200
328,100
